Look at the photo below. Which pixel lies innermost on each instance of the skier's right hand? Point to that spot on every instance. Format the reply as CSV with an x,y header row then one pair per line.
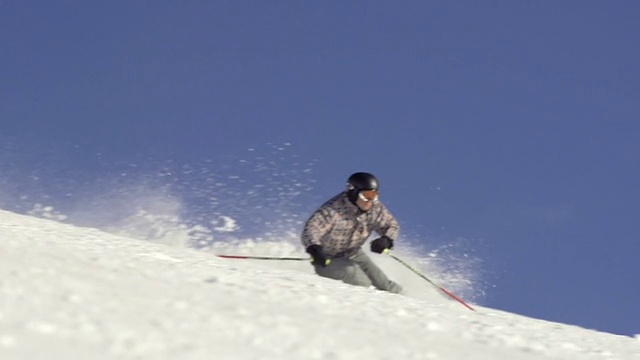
x,y
317,253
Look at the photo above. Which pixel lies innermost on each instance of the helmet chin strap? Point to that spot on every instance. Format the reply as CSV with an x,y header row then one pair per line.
x,y
353,196
352,193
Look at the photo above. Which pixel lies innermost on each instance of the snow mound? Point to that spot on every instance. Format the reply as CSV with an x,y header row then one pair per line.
x,y
78,293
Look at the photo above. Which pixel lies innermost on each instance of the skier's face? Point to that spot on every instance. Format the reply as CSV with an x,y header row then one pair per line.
x,y
366,198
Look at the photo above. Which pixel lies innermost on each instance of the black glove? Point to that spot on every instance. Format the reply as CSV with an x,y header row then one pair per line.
x,y
381,244
317,253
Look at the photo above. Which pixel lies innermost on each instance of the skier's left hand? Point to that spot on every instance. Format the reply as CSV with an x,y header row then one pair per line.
x,y
381,244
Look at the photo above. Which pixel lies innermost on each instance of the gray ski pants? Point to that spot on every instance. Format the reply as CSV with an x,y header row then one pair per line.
x,y
358,269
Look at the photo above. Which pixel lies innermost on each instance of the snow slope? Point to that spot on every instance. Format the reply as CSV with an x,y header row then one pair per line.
x,y
78,293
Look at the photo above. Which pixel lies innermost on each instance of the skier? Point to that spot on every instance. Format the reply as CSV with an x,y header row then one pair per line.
x,y
335,233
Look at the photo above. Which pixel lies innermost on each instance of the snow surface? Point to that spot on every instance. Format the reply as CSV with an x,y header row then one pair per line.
x,y
79,293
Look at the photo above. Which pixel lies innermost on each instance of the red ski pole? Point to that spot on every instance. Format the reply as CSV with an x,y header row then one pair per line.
x,y
430,282
261,257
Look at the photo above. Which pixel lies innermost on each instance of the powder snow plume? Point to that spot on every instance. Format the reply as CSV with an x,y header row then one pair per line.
x,y
251,203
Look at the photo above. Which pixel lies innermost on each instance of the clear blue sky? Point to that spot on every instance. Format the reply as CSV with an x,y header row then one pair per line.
x,y
512,123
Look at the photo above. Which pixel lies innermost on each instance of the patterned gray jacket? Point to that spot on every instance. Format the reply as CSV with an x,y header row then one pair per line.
x,y
341,228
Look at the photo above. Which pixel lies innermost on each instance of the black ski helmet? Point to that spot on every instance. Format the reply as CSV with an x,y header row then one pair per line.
x,y
360,181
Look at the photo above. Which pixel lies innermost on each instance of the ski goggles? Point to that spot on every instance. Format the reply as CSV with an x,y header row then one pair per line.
x,y
368,195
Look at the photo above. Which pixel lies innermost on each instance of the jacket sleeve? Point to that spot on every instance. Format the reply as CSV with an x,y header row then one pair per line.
x,y
317,226
386,224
